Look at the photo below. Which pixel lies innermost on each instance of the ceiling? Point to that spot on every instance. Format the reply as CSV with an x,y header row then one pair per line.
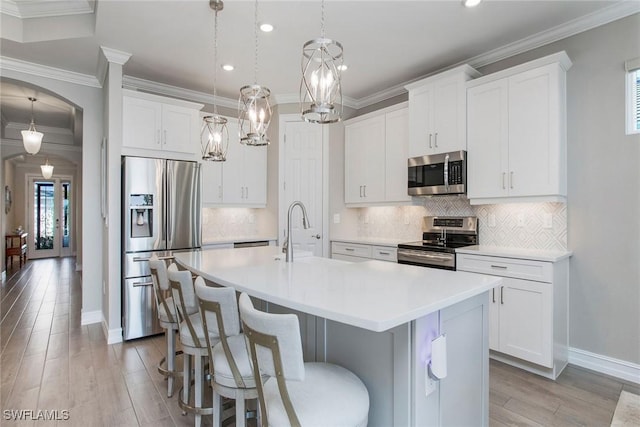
x,y
386,43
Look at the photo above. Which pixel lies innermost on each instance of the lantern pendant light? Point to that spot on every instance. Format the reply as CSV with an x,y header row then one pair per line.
x,y
31,138
321,87
214,135
47,170
254,105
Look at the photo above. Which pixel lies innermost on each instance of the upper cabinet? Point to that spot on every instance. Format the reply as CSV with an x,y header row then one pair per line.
x,y
437,112
239,181
517,133
376,157
169,127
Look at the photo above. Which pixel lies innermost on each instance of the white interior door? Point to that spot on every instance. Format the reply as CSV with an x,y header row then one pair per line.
x,y
302,179
50,222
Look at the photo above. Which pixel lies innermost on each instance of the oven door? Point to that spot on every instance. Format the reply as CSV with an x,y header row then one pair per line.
x,y
424,258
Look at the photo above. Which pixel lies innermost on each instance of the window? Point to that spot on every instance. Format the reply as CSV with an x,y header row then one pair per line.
x,y
633,96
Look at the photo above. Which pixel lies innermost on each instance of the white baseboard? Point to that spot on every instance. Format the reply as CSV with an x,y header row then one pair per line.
x,y
78,267
113,336
605,365
90,317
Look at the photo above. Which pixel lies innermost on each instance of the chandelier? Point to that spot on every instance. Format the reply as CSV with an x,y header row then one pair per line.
x,y
31,138
321,88
214,135
47,170
254,107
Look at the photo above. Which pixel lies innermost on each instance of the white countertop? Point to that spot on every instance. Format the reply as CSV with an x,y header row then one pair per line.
x,y
237,239
374,295
379,241
530,254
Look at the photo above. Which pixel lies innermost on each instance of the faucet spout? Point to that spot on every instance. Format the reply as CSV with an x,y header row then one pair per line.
x,y
288,247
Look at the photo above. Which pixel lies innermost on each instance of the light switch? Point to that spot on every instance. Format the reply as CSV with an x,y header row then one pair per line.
x,y
336,218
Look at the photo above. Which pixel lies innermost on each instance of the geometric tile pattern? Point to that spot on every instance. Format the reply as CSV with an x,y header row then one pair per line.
x,y
405,222
229,222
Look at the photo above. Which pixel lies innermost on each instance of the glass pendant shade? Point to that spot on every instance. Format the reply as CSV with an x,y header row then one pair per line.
x,y
321,88
254,114
31,138
47,170
214,138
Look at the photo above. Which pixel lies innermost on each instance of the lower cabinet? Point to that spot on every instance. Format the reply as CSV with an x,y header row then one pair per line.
x,y
528,313
358,252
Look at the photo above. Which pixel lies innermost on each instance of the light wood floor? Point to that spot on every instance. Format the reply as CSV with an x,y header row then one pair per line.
x,y
48,361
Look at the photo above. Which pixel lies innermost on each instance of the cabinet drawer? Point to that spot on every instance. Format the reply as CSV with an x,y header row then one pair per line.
x,y
539,271
384,253
352,249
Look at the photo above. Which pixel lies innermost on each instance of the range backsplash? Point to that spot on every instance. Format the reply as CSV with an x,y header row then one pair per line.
x,y
383,222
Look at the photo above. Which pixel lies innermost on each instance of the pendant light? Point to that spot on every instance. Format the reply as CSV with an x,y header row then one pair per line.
x,y
321,87
254,106
47,170
214,136
31,138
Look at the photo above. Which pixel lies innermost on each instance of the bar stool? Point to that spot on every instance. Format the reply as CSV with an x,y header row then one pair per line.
x,y
192,338
168,318
232,372
298,393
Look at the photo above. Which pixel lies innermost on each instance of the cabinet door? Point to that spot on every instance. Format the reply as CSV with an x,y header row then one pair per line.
x,y
364,160
420,122
533,132
141,123
233,169
211,183
526,320
396,153
487,143
448,116
179,129
255,175
494,319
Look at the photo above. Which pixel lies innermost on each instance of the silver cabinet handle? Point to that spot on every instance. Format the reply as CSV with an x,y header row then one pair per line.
x,y
165,137
384,253
493,294
142,284
436,140
365,190
317,236
140,259
430,146
501,294
158,137
504,174
361,191
349,249
511,180
220,191
501,267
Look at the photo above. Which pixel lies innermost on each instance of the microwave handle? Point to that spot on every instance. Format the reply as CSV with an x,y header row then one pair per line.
x,y
446,170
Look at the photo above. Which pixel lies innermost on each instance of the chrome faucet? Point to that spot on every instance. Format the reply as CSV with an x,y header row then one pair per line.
x,y
287,247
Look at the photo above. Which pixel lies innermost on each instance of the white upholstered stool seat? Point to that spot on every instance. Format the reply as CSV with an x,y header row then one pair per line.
x,y
221,369
329,395
297,393
187,338
167,319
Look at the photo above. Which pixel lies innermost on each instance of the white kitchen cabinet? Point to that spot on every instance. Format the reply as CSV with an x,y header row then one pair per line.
x,y
528,313
517,133
358,252
437,112
165,125
241,180
376,157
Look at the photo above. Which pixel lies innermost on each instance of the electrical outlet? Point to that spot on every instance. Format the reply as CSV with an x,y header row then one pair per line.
x,y
429,383
407,221
336,218
547,220
520,219
492,220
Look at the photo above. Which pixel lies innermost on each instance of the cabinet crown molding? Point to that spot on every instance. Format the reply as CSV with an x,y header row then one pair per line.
x,y
465,69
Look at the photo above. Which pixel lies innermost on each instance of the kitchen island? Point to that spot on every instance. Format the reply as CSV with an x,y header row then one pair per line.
x,y
377,319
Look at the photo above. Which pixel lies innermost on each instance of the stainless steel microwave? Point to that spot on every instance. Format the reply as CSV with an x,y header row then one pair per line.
x,y
438,174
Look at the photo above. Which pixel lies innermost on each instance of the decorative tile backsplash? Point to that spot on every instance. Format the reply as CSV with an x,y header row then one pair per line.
x,y
518,225
229,222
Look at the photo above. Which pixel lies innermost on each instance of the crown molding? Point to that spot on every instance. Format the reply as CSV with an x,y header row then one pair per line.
x,y
135,83
20,66
294,98
116,56
46,8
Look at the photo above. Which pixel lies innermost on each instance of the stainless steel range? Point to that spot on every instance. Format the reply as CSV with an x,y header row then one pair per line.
x,y
440,238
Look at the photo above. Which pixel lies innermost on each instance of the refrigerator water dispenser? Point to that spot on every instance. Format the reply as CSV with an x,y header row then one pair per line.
x,y
141,212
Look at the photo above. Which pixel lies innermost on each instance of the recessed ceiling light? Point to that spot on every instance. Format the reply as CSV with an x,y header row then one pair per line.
x,y
471,3
342,67
227,67
267,28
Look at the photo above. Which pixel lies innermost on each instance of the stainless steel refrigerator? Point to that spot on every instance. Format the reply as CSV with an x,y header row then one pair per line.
x,y
161,213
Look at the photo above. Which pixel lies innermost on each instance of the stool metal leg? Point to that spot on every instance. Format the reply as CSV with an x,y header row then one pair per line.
x,y
171,359
186,379
217,408
241,415
199,379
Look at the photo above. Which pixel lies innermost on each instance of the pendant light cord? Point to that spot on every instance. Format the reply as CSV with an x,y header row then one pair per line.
x,y
255,34
322,19
215,62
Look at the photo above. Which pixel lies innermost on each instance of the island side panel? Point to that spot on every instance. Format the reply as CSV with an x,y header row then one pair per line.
x,y
382,360
462,397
